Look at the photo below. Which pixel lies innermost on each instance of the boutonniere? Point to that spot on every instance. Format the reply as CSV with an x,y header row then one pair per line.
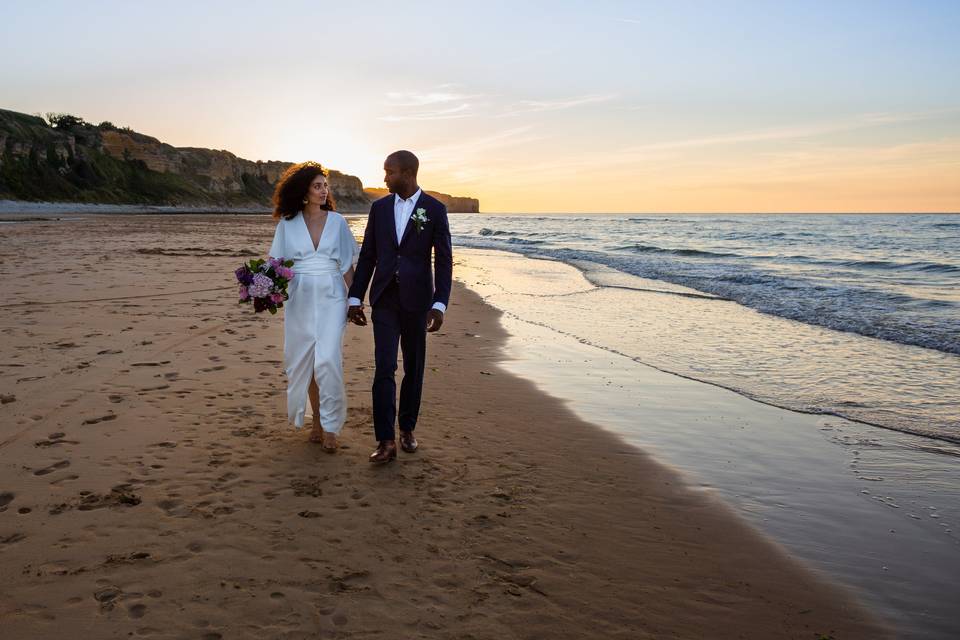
x,y
420,218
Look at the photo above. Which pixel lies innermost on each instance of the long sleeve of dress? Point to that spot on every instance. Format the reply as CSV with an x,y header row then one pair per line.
x,y
346,247
277,249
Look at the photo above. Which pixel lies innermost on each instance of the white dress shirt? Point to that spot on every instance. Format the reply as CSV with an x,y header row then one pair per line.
x,y
402,210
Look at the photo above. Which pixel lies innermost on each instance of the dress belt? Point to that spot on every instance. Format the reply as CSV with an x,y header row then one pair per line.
x,y
315,267
315,271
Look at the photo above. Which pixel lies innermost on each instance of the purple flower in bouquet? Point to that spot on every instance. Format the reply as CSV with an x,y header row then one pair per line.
x,y
261,286
244,275
244,293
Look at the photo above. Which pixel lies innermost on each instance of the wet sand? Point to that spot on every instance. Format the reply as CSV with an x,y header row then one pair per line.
x,y
149,486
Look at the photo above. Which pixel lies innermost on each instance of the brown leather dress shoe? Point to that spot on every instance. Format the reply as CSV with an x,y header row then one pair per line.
x,y
386,451
407,442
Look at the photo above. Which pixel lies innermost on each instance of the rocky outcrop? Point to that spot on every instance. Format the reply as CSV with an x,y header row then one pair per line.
x,y
76,161
455,204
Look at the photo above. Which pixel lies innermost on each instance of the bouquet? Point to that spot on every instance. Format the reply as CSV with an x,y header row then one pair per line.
x,y
264,282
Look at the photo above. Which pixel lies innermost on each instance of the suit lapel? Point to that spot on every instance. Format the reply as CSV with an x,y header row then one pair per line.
x,y
406,230
390,216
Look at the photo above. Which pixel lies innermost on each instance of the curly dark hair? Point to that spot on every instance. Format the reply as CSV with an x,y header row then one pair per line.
x,y
292,188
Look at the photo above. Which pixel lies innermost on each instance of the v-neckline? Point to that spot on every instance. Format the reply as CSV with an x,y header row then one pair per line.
x,y
310,237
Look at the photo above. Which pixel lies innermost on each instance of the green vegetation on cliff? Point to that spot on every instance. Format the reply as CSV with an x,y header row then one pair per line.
x,y
65,159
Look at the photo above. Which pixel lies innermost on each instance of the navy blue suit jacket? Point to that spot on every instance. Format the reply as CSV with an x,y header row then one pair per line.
x,y
382,258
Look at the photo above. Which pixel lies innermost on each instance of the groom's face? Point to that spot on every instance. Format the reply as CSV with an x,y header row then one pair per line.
x,y
394,177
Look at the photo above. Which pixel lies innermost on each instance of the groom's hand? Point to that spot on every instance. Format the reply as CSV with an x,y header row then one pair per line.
x,y
356,316
434,320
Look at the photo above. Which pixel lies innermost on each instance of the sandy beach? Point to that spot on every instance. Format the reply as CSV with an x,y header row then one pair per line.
x,y
150,486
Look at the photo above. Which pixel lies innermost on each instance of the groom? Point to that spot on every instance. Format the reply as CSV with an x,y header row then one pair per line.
x,y
403,229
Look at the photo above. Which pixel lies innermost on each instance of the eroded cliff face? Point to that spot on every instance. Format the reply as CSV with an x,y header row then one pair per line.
x,y
81,162
455,204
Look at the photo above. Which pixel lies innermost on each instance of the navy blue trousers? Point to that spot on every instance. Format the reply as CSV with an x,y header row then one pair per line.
x,y
395,326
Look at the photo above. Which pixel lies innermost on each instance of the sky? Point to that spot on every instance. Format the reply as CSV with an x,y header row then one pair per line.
x,y
600,106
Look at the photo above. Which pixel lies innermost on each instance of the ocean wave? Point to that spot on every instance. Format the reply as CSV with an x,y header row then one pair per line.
x,y
646,248
879,265
853,308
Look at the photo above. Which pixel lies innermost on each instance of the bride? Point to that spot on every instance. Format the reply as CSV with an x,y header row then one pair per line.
x,y
320,243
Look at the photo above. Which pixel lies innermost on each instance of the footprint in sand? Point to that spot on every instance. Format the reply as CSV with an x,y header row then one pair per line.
x,y
171,507
137,610
15,537
54,439
156,388
106,418
106,597
5,498
54,467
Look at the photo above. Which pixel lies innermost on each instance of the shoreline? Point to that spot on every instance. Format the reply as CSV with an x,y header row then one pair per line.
x,y
870,507
164,494
15,207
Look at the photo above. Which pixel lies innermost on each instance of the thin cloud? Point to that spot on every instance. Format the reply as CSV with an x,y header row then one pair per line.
x,y
537,106
460,111
792,132
414,99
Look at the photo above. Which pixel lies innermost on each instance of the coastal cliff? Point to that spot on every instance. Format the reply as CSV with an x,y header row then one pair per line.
x,y
455,204
69,160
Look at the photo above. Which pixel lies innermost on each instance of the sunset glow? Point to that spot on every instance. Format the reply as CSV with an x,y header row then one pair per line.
x,y
570,107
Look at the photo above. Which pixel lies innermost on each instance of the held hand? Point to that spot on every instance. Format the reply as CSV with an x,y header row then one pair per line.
x,y
434,320
356,316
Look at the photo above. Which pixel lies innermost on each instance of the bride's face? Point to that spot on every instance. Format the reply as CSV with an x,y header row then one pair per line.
x,y
318,191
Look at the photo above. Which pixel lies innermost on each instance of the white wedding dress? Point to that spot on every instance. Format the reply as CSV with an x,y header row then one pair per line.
x,y
315,316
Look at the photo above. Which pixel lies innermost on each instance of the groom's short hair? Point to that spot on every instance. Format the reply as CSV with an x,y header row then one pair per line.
x,y
406,160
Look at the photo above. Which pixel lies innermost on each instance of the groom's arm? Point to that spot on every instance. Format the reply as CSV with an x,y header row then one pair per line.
x,y
366,262
442,261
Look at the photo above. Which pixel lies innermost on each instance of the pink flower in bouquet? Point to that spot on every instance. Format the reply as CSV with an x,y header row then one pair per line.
x,y
244,294
276,297
285,272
